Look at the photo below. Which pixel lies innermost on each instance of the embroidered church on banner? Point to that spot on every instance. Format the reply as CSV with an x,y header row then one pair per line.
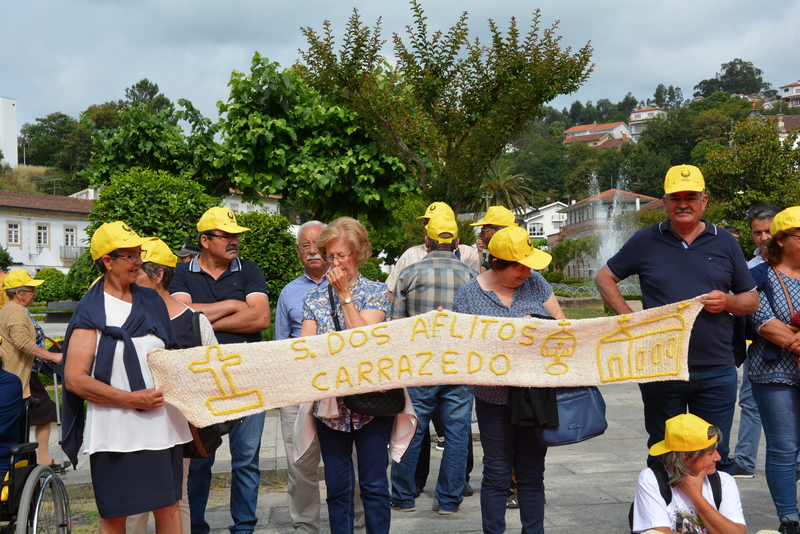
x,y
217,383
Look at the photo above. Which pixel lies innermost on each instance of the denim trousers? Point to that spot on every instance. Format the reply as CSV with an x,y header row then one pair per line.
x,y
371,442
780,417
506,447
746,451
245,444
709,394
455,407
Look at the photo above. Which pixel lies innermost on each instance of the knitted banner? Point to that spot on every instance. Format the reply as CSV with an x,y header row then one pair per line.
x,y
217,383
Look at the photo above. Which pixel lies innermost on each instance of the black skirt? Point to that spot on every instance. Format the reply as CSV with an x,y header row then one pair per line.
x,y
46,411
129,483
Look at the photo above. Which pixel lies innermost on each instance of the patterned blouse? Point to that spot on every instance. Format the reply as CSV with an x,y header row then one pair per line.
x,y
528,299
367,295
785,370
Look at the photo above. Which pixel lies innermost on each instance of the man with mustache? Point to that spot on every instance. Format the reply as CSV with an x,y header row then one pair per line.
x,y
679,259
232,293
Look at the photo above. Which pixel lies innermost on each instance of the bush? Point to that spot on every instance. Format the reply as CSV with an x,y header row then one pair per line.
x,y
80,277
554,277
152,203
272,247
372,270
54,288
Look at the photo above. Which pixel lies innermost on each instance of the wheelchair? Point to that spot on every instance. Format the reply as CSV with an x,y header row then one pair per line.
x,y
34,499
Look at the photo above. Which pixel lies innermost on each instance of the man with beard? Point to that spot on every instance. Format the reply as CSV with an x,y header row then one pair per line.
x,y
232,293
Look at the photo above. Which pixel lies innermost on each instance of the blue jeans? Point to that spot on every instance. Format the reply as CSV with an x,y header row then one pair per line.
x,y
746,451
507,447
455,406
371,442
245,444
709,394
781,420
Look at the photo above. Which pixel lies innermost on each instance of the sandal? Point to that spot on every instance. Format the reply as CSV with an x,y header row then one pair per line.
x,y
512,502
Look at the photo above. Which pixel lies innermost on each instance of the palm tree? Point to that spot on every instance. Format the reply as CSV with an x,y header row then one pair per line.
x,y
500,188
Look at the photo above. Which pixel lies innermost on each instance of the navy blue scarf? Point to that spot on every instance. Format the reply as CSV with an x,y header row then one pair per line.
x,y
148,316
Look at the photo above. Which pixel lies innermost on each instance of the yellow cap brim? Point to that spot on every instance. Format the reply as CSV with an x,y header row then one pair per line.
x,y
537,261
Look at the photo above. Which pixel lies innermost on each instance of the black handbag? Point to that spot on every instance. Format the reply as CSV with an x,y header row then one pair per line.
x,y
206,440
385,403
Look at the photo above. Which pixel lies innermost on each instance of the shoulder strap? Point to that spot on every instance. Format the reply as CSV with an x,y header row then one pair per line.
x,y
785,292
716,488
663,481
198,337
334,315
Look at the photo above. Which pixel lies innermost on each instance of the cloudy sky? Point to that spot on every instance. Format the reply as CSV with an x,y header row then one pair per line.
x,y
64,55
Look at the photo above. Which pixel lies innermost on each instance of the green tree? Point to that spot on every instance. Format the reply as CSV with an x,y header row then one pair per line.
x,y
145,93
40,143
54,288
451,105
152,203
6,260
76,152
737,76
279,136
272,247
502,188
759,167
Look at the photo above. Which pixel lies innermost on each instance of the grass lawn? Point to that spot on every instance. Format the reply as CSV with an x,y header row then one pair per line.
x,y
584,313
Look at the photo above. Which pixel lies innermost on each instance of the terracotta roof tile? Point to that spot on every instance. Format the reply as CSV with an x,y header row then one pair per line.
x,y
587,138
609,196
12,199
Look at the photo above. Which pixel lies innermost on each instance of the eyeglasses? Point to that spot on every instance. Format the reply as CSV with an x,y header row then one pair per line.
x,y
490,227
31,291
305,247
341,257
132,258
224,238
793,235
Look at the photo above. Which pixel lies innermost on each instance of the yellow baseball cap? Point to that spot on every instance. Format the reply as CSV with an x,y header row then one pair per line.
x,y
684,178
514,244
442,225
220,219
20,278
684,433
111,236
497,216
788,218
157,251
438,209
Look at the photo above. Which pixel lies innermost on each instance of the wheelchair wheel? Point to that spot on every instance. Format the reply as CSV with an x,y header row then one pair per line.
x,y
43,504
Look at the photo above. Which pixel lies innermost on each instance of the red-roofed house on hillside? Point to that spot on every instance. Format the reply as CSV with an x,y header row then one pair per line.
x,y
598,135
638,119
791,93
43,230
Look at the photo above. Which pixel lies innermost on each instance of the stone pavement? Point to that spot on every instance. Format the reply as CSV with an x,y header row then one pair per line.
x,y
590,484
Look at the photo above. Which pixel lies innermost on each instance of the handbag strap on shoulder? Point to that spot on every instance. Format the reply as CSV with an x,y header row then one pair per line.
x,y
334,315
785,291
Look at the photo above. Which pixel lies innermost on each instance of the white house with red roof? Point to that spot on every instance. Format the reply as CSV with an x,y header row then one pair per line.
x,y
638,119
598,135
790,93
43,230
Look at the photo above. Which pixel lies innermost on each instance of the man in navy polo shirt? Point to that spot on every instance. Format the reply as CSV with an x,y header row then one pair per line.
x,y
678,259
232,293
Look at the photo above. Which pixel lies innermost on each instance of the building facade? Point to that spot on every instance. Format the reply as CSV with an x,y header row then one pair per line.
x,y
41,231
8,131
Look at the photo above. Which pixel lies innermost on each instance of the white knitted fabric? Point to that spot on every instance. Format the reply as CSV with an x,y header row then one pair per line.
x,y
216,383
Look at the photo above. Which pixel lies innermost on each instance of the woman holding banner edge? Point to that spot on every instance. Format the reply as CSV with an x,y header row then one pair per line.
x,y
510,288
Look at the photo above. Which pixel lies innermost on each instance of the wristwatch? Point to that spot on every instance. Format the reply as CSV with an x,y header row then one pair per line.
x,y
348,300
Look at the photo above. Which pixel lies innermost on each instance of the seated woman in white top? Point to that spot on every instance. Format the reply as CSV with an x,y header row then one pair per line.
x,y
689,456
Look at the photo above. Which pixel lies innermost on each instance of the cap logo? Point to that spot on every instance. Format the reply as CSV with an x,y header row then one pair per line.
x,y
432,208
126,228
230,215
529,243
686,173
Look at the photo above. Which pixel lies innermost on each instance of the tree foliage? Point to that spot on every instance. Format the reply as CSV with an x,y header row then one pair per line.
x,y
144,93
272,247
737,76
500,187
152,203
40,143
758,167
451,104
279,136
80,276
6,260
